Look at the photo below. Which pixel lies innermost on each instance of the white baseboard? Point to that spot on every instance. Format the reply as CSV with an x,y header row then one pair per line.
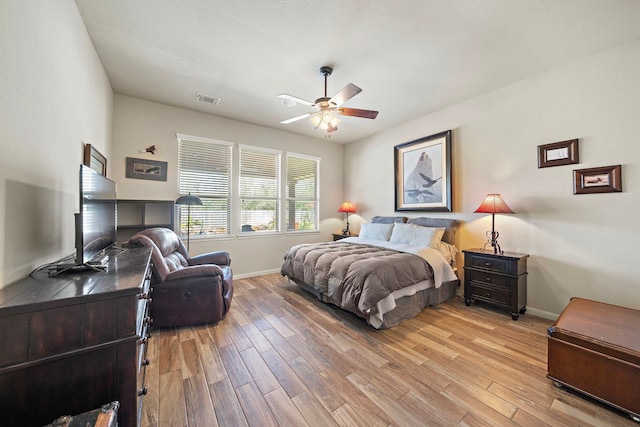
x,y
255,273
543,314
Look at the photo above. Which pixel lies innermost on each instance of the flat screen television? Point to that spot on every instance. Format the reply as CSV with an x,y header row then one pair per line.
x,y
96,221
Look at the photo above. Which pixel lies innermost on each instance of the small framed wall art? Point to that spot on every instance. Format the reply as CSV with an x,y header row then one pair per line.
x,y
604,179
146,169
95,160
558,153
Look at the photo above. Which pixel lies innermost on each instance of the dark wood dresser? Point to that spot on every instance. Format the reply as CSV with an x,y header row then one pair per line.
x,y
75,341
500,280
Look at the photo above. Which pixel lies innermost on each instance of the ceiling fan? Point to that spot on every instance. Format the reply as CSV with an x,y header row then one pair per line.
x,y
326,108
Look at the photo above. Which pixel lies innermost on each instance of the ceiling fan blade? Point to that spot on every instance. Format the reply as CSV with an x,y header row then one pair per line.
x,y
296,118
295,99
347,92
356,112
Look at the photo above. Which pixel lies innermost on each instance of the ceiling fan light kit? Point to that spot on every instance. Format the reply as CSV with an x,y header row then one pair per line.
x,y
327,109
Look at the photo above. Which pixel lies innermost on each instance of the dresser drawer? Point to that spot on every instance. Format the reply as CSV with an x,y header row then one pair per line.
x,y
490,294
492,263
487,279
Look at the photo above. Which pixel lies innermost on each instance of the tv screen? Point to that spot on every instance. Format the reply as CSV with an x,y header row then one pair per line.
x,y
96,222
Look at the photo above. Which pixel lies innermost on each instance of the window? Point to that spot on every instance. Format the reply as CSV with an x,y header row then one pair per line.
x,y
204,169
259,189
302,192
243,189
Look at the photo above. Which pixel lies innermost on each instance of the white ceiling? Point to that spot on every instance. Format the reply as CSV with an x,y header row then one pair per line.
x,y
410,57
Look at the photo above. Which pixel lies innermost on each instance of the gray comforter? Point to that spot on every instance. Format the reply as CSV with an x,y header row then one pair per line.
x,y
354,276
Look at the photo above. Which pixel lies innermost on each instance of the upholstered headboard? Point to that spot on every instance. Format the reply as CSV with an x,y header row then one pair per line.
x,y
450,226
388,219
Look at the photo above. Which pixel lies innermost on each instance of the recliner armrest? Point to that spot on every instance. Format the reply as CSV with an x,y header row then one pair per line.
x,y
195,271
218,257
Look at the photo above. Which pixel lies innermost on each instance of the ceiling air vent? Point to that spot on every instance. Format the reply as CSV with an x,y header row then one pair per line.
x,y
208,98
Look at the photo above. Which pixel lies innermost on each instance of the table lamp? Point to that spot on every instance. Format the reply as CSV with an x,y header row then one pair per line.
x,y
493,204
348,208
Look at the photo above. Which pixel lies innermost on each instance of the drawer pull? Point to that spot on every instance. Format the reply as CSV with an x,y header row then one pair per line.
x,y
487,264
145,362
488,279
488,294
142,391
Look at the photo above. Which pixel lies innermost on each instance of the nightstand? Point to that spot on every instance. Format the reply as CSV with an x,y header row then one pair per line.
x,y
342,236
500,280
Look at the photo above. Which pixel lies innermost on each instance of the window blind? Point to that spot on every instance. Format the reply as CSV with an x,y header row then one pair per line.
x,y
259,189
204,169
302,192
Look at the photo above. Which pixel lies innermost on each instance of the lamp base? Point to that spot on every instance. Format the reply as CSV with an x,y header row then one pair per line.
x,y
493,241
346,231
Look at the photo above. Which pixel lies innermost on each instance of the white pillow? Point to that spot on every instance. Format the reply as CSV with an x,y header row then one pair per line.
x,y
376,231
401,233
426,236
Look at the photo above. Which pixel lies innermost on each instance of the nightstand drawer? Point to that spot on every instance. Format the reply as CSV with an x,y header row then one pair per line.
x,y
492,263
489,294
488,279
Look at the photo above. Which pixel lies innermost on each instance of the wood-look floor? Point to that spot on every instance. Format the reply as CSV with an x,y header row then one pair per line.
x,y
280,357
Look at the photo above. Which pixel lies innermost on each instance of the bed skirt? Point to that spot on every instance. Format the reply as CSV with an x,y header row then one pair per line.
x,y
407,307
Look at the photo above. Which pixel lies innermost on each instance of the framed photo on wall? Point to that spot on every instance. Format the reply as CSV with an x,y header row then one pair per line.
x,y
146,169
95,160
423,174
604,179
558,153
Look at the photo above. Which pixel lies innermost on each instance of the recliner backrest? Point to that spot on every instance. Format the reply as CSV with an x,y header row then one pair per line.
x,y
168,252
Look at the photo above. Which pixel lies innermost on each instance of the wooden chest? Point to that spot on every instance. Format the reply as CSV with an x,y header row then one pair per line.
x,y
594,348
106,416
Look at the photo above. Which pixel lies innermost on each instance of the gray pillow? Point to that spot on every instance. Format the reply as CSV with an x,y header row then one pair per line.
x,y
450,226
388,219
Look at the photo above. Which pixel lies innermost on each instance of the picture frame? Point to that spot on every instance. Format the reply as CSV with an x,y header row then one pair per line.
x,y
94,159
423,174
146,169
604,179
558,153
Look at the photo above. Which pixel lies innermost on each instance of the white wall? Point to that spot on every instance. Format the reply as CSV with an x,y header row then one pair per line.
x,y
54,96
138,124
580,245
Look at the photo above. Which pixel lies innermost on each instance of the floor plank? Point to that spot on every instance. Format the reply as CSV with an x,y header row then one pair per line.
x,y
282,358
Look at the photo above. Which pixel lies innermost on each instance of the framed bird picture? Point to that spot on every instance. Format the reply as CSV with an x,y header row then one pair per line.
x,y
146,169
423,174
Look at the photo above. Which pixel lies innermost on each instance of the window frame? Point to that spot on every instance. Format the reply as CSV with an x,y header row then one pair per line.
x,y
286,197
205,197
278,198
235,200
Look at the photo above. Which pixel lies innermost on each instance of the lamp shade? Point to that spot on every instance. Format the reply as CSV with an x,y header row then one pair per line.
x,y
188,199
493,204
347,207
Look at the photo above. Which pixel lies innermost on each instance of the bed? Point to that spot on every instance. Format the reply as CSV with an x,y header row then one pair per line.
x,y
393,270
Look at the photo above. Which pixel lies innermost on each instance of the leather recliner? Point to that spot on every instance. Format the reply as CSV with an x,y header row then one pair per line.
x,y
186,290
